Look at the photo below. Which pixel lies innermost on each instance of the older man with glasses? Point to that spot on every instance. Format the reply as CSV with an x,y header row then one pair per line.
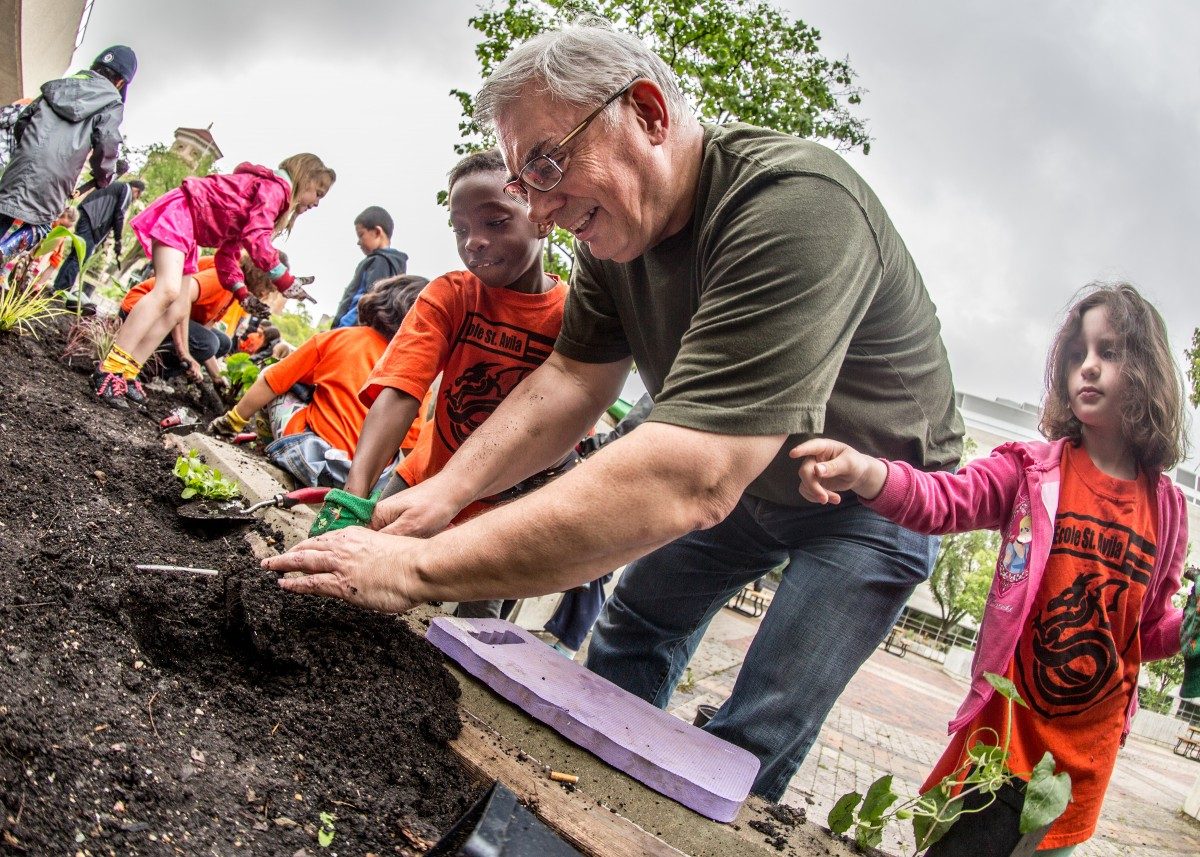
x,y
766,298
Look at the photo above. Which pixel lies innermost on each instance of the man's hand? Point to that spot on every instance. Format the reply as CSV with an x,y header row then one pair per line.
x,y
361,567
829,466
420,511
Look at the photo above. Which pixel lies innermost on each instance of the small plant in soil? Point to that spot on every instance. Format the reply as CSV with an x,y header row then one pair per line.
x,y
326,833
25,309
90,338
200,480
241,372
932,814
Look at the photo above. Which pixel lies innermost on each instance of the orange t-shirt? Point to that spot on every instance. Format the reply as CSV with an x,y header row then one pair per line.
x,y
253,341
336,363
208,307
1077,659
483,341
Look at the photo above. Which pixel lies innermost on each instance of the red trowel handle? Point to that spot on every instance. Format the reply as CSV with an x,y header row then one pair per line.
x,y
302,496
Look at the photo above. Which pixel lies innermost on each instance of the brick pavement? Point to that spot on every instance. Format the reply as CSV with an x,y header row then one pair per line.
x,y
892,719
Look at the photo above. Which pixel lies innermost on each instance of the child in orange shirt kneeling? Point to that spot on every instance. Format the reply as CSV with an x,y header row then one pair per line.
x,y
314,441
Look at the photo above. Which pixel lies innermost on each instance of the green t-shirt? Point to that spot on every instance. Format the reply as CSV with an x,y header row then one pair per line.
x,y
788,305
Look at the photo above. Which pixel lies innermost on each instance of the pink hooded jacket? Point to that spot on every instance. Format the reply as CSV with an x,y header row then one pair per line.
x,y
238,210
986,494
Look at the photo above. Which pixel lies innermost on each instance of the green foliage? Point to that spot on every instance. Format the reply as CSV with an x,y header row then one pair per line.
x,y
735,60
296,326
26,308
162,170
91,337
240,371
1193,364
962,575
200,480
985,771
326,833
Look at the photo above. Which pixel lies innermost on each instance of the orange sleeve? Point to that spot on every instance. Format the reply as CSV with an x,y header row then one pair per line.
x,y
296,367
418,351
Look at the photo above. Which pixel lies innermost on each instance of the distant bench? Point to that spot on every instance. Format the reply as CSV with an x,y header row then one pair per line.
x,y
895,645
1188,745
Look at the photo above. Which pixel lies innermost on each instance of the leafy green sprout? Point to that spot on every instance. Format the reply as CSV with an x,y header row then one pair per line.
x,y
241,372
200,480
326,833
933,813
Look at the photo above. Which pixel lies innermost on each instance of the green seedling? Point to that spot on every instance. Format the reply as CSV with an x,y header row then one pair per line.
x,y
932,814
200,480
326,833
24,309
241,372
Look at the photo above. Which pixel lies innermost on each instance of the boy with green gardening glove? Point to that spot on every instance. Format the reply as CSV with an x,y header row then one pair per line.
x,y
483,330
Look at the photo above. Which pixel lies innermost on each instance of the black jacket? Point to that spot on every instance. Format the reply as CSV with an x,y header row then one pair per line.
x,y
72,116
105,210
387,262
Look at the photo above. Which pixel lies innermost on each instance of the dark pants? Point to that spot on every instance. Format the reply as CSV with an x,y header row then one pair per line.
x,y
203,343
65,281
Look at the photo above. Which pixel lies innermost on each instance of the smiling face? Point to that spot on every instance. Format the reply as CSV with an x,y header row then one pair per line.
x,y
616,193
496,240
310,195
1095,383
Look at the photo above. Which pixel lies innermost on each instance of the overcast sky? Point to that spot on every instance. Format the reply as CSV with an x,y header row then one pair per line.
x,y
1023,149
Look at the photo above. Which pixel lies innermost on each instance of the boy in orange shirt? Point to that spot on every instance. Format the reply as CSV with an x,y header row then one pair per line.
x,y
314,441
483,330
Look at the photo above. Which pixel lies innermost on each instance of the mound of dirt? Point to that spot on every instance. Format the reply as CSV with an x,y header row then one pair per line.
x,y
145,713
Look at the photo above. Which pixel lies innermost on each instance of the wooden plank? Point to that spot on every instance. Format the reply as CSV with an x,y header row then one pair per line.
x,y
583,822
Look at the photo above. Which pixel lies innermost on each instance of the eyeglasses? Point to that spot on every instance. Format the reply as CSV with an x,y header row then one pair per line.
x,y
543,173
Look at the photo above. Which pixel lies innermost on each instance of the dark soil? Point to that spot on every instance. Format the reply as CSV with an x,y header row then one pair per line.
x,y
145,713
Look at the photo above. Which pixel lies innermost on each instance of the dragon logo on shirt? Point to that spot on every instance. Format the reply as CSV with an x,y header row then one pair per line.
x,y
1075,657
476,393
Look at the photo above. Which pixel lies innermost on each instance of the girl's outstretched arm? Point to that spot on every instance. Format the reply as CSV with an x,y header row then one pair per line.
x,y
979,496
828,466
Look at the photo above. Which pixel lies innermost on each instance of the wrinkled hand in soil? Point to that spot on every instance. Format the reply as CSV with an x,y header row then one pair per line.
x,y
195,372
420,511
359,566
343,509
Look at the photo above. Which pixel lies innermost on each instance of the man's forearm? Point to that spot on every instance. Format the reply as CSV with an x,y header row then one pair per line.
x,y
622,503
542,419
382,433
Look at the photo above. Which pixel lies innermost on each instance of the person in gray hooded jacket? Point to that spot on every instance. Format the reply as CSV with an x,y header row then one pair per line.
x,y
54,134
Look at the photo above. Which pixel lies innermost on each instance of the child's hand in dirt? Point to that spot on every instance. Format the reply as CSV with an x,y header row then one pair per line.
x,y
342,509
828,466
195,372
419,511
360,566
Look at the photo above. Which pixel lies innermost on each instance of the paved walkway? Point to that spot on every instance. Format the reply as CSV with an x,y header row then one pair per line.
x,y
892,719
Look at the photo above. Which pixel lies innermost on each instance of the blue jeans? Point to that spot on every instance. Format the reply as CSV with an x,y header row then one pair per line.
x,y
849,572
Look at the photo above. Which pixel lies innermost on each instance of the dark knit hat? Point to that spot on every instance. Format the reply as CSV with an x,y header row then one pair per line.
x,y
119,58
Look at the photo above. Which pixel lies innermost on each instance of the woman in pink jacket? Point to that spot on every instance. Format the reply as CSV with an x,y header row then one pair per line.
x,y
245,209
1094,538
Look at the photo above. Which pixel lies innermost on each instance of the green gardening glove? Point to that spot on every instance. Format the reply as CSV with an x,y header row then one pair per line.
x,y
1189,642
341,510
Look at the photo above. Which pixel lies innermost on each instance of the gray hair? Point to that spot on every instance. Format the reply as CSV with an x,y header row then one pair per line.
x,y
581,63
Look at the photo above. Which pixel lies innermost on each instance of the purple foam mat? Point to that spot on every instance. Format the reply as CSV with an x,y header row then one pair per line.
x,y
701,771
